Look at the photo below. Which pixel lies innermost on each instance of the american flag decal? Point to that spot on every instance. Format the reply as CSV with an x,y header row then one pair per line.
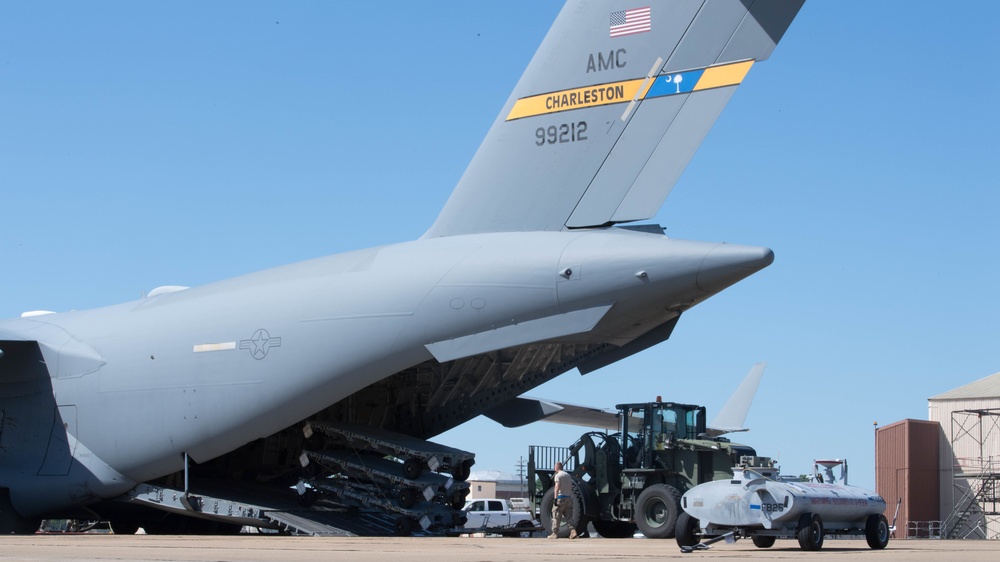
x,y
628,22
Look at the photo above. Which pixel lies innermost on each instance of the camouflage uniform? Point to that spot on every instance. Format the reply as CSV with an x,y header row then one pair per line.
x,y
562,503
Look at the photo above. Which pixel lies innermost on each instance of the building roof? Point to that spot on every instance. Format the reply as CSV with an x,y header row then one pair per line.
x,y
492,476
988,387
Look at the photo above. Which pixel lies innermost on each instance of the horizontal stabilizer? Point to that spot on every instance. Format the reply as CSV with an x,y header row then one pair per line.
x,y
524,410
559,325
609,112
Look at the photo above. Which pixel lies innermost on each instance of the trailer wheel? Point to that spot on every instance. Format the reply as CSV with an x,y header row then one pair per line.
x,y
810,532
763,541
614,529
877,531
684,531
656,511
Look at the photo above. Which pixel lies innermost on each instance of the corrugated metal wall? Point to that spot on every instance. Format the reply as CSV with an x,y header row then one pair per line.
x,y
965,446
969,445
906,460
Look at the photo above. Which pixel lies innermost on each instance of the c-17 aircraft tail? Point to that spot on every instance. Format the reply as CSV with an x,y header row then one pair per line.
x,y
282,376
609,112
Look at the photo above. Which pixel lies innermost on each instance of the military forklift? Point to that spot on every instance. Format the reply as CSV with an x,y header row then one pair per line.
x,y
633,479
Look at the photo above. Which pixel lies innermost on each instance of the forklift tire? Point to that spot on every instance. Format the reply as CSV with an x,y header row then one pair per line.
x,y
614,529
684,531
656,511
577,520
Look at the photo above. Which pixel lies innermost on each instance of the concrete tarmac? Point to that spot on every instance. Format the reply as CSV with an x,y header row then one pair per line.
x,y
250,548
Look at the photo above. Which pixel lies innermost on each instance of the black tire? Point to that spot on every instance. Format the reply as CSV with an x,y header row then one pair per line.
x,y
545,511
577,520
810,532
656,511
404,526
521,529
407,498
685,530
526,527
614,529
877,531
763,541
123,526
413,468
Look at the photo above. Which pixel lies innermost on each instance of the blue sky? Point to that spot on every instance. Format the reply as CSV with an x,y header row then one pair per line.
x,y
146,144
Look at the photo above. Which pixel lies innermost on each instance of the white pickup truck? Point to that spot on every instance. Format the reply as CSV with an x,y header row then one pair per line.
x,y
495,513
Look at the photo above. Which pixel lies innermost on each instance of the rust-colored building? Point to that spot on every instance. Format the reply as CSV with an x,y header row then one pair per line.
x,y
906,460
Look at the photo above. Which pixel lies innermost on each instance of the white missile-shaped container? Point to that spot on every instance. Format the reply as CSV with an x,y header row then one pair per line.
x,y
758,504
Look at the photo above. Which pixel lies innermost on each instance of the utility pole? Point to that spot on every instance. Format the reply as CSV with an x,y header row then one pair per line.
x,y
520,473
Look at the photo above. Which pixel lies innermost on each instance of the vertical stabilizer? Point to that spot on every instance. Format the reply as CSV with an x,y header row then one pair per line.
x,y
610,111
732,416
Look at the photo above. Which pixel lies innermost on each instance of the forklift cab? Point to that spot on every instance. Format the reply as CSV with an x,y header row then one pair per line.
x,y
656,426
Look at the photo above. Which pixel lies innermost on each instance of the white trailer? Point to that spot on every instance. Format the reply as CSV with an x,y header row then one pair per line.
x,y
758,504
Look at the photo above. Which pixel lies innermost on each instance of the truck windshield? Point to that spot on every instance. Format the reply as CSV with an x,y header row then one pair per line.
x,y
664,420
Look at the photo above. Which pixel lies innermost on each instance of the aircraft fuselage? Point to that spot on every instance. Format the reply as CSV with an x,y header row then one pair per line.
x,y
126,390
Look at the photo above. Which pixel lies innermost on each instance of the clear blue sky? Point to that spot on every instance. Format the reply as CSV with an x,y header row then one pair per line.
x,y
146,144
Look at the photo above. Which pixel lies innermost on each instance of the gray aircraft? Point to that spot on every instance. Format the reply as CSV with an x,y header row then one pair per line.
x,y
526,274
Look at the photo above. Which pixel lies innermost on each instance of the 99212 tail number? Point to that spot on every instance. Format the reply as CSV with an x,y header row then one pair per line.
x,y
566,132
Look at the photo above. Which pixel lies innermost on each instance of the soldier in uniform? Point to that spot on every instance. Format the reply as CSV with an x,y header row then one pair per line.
x,y
562,501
